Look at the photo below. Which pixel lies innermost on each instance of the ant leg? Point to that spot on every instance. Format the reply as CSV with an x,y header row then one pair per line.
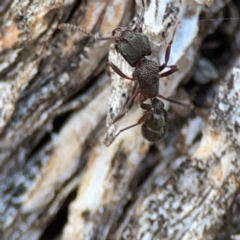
x,y
128,107
119,72
140,121
145,106
187,105
73,27
168,51
140,19
172,70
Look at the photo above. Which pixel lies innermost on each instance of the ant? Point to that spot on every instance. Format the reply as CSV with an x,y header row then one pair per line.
x,y
134,47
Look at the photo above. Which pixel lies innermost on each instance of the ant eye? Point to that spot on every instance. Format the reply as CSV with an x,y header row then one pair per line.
x,y
124,54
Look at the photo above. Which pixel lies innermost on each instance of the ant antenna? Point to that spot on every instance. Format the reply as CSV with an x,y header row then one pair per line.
x,y
76,28
213,19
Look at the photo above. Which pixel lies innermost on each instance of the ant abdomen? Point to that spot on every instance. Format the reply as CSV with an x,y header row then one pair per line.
x,y
155,127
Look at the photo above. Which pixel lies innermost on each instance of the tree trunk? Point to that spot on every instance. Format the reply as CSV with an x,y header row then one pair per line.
x,y
59,180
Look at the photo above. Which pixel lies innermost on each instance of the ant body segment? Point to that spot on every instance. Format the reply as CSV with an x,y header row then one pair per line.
x,y
154,121
130,43
155,127
134,47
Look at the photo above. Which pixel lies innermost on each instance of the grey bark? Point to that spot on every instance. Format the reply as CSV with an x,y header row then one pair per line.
x,y
55,94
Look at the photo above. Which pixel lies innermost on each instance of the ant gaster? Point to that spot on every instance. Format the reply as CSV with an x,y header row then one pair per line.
x,y
154,119
155,127
134,47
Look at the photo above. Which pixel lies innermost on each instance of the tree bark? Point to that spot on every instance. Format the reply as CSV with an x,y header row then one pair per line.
x,y
59,180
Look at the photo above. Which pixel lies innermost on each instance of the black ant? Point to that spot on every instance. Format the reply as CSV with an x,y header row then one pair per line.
x,y
134,47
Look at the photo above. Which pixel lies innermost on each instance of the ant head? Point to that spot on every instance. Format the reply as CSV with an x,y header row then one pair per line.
x,y
118,33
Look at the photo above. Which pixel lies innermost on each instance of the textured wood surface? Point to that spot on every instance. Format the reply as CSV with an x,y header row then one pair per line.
x,y
57,178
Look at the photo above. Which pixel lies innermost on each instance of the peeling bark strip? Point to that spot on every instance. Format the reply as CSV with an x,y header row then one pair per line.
x,y
22,22
53,102
29,134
